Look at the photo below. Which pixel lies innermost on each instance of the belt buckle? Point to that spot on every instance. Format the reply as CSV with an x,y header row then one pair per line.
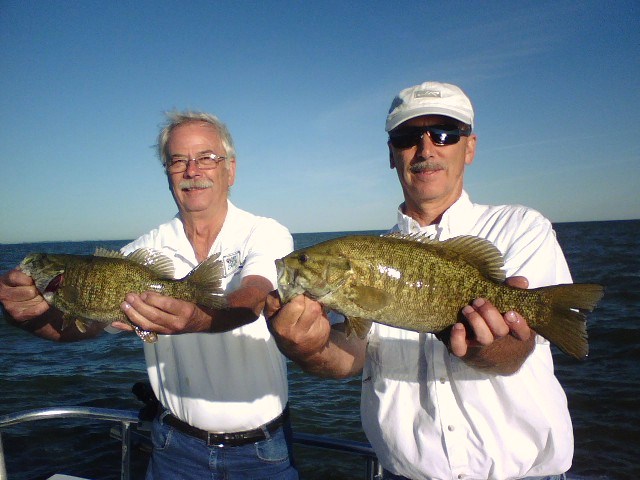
x,y
213,440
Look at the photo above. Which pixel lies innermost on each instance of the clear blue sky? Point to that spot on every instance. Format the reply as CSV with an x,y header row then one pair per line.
x,y
304,87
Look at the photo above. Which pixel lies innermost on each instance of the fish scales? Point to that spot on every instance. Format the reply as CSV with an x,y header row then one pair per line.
x,y
413,278
93,286
89,288
411,282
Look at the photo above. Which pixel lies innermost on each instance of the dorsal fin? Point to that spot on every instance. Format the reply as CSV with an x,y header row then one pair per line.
x,y
476,251
156,261
103,252
480,253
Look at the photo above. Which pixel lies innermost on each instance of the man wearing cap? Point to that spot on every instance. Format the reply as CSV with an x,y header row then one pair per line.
x,y
485,404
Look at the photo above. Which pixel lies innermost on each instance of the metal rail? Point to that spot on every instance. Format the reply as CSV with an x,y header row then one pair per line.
x,y
128,419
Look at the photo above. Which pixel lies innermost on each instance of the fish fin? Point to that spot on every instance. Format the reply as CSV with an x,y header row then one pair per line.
x,y
357,326
476,251
156,261
480,253
67,321
103,252
370,298
567,328
207,277
81,325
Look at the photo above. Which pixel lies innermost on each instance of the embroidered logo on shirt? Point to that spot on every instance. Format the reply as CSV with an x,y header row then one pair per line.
x,y
231,263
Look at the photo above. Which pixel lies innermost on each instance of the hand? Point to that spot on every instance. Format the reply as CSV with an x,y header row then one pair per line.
x,y
498,342
161,314
20,297
300,327
304,334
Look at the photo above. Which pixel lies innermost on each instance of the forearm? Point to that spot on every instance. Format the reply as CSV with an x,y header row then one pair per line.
x,y
244,305
340,357
49,326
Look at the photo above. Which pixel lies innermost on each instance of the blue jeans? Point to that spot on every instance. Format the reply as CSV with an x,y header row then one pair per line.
x,y
177,456
390,476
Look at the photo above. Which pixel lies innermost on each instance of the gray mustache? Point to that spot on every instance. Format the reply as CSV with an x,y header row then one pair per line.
x,y
201,183
425,166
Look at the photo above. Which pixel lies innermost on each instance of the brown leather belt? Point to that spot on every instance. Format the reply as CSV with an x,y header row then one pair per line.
x,y
229,439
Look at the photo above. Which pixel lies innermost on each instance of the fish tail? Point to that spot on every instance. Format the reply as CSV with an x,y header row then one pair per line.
x,y
567,328
207,280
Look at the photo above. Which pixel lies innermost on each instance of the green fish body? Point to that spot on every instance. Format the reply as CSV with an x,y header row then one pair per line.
x,y
414,283
90,288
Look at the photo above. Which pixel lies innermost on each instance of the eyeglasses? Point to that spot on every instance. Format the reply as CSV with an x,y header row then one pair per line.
x,y
205,161
440,135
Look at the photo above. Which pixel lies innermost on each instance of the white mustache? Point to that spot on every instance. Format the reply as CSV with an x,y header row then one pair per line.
x,y
426,166
189,184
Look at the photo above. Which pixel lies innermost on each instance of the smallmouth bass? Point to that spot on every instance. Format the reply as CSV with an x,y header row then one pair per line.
x,y
90,288
414,283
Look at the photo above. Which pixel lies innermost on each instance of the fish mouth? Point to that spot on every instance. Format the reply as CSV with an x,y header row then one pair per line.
x,y
281,270
286,281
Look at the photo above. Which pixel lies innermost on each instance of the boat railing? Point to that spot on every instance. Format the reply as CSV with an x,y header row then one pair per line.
x,y
129,424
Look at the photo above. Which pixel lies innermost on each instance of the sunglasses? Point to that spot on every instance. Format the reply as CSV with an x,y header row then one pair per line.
x,y
440,135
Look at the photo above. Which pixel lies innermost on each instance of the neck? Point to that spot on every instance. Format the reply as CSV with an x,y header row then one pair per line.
x,y
422,216
428,212
202,230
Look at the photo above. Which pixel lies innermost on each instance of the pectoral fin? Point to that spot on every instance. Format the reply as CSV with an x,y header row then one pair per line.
x,y
370,299
81,325
357,326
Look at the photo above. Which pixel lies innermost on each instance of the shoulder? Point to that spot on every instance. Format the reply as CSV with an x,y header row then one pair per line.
x,y
166,233
249,225
515,217
528,243
505,225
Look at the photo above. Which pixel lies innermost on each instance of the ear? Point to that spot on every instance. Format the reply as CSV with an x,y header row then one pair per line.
x,y
392,163
470,149
231,171
169,181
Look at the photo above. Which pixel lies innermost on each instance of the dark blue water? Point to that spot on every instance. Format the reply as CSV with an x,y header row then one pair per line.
x,y
603,391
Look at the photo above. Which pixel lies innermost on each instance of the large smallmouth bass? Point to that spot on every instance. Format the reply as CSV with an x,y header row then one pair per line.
x,y
414,283
90,288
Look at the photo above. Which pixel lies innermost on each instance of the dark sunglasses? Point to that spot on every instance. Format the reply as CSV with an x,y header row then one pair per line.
x,y
408,137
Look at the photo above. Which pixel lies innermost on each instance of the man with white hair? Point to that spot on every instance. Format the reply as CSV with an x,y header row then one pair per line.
x,y
218,374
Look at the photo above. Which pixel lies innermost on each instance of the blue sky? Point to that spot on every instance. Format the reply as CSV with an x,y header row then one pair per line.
x,y
304,87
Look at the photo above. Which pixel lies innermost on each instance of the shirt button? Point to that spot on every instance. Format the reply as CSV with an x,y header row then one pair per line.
x,y
443,380
451,428
460,475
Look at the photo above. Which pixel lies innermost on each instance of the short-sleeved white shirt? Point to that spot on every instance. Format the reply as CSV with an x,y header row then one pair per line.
x,y
231,381
430,416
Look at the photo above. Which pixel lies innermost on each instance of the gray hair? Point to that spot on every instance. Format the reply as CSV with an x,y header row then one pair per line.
x,y
175,118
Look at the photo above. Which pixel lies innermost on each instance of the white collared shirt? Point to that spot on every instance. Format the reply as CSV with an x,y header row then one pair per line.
x,y
231,381
430,416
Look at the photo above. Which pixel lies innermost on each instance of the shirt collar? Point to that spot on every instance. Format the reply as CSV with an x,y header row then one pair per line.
x,y
183,244
453,221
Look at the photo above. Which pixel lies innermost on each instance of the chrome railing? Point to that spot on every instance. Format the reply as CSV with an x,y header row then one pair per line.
x,y
128,420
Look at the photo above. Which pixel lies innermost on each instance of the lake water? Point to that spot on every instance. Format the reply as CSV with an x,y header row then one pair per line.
x,y
603,391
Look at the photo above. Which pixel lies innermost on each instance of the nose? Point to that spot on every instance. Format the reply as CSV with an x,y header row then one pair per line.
x,y
426,147
192,168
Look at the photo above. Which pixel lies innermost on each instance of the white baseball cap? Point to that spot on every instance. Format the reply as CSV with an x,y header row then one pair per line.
x,y
430,98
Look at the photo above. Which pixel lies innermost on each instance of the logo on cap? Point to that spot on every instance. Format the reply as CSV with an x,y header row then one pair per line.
x,y
427,93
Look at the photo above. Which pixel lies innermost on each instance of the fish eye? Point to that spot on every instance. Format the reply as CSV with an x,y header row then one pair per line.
x,y
303,257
